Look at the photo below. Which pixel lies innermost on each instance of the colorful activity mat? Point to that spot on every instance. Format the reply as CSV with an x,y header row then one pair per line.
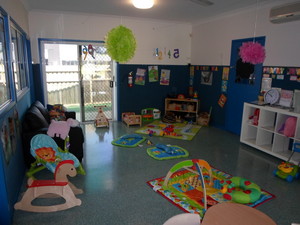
x,y
173,152
129,140
181,191
183,131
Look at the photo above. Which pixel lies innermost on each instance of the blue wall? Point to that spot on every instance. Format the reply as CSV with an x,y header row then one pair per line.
x,y
209,96
152,94
286,83
12,172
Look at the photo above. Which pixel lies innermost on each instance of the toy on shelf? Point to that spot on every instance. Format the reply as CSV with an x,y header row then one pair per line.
x,y
287,170
150,114
101,120
59,186
288,128
253,119
131,119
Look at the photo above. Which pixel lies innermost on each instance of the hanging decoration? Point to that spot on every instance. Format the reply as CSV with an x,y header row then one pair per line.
x,y
120,44
252,52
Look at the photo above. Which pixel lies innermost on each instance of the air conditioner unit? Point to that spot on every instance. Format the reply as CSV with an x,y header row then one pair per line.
x,y
285,13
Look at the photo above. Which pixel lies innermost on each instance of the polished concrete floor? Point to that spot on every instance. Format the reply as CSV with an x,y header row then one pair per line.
x,y
115,189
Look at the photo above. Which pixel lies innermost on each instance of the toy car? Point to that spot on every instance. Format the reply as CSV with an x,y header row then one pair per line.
x,y
287,170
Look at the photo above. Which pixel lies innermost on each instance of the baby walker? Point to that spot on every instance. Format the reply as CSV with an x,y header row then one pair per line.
x,y
287,170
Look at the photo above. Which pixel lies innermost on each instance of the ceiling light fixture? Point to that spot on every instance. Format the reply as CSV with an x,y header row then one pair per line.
x,y
143,4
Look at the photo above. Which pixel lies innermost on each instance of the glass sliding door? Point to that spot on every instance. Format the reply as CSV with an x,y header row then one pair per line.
x,y
79,76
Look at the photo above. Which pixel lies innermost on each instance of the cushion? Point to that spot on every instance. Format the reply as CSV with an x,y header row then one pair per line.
x,y
35,119
43,110
290,126
57,112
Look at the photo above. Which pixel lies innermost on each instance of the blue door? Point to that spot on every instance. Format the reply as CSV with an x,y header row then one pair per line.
x,y
241,90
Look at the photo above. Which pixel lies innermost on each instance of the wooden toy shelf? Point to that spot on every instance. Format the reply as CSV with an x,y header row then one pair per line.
x,y
266,136
184,106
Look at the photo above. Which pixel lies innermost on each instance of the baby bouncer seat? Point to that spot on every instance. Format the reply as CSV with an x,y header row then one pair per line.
x,y
47,154
62,164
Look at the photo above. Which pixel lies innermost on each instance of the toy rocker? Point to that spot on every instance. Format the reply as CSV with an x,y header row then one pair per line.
x,y
59,186
101,120
48,155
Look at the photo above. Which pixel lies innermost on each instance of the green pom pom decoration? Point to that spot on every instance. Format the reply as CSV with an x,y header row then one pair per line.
x,y
120,44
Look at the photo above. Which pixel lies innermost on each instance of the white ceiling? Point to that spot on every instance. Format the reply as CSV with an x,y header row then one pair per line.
x,y
174,10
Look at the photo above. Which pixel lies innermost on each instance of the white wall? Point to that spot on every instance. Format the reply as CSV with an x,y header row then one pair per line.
x,y
211,41
150,34
16,11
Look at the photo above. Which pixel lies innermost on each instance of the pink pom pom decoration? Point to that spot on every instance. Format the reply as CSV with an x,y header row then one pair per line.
x,y
252,52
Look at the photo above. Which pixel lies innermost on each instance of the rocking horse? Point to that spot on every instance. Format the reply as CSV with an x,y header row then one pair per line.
x,y
60,186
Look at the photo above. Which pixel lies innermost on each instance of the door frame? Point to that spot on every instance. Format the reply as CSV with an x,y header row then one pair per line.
x,y
42,74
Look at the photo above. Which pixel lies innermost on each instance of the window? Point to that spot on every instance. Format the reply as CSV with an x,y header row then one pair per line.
x,y
18,59
4,80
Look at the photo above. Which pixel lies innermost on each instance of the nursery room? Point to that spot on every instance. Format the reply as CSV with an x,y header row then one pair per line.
x,y
181,112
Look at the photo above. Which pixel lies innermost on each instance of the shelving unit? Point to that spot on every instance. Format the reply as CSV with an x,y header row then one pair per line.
x,y
266,135
182,107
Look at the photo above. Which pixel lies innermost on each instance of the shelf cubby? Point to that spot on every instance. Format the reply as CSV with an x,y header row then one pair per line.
x,y
267,120
265,139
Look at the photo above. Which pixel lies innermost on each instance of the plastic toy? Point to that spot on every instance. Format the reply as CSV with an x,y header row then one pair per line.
x,y
59,186
188,164
150,114
240,190
149,142
196,166
47,154
129,140
287,170
255,117
181,96
101,120
163,152
131,119
288,128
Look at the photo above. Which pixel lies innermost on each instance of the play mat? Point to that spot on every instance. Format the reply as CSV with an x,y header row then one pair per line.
x,y
183,131
181,191
129,140
162,152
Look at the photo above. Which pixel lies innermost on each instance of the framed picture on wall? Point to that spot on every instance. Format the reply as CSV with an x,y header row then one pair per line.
x,y
206,77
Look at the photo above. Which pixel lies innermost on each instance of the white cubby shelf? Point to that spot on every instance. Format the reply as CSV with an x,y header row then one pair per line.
x,y
266,135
